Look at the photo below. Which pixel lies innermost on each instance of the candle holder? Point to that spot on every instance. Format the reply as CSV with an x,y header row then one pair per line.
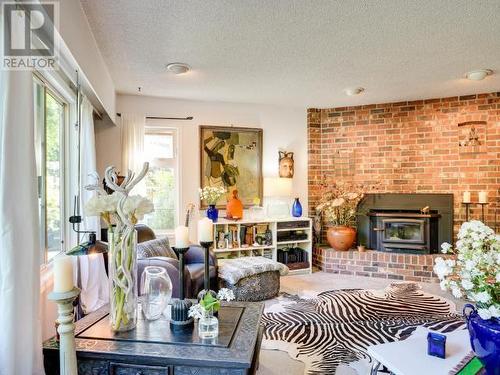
x,y
206,245
66,330
482,210
179,318
467,210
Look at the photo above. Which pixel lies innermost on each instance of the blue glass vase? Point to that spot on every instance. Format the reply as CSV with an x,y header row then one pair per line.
x,y
212,213
296,208
484,339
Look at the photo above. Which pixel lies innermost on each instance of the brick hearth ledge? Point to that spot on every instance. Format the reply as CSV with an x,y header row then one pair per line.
x,y
406,267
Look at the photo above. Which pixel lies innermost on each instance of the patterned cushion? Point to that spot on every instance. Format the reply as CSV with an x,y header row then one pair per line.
x,y
159,247
233,270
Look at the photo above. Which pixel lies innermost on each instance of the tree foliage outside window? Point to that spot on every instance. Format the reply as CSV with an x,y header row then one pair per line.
x,y
160,182
160,189
53,123
49,145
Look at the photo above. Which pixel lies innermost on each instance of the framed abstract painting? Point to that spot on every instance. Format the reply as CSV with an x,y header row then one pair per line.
x,y
232,158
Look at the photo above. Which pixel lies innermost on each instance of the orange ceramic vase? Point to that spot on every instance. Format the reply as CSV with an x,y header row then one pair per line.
x,y
340,237
234,209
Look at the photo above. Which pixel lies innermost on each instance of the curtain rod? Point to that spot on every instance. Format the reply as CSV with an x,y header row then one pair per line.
x,y
164,118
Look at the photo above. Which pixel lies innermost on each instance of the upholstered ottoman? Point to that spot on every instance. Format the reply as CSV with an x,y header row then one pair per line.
x,y
251,278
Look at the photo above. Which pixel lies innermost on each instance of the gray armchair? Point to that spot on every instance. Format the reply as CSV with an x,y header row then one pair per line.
x,y
157,252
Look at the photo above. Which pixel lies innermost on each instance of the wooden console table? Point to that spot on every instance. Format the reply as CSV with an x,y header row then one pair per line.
x,y
153,349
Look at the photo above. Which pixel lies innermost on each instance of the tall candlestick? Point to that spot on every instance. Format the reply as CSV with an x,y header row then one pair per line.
x,y
66,329
483,197
205,230
63,274
181,237
466,197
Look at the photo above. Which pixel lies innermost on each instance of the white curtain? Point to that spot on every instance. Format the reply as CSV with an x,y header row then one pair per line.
x,y
20,338
132,134
93,279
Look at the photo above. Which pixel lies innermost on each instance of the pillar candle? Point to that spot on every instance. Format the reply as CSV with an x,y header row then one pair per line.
x,y
483,197
63,274
205,230
181,237
466,197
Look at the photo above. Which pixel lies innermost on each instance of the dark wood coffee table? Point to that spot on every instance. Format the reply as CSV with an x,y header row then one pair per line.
x,y
153,349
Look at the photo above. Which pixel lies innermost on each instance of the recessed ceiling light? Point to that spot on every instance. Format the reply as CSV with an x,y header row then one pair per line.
x,y
354,91
178,68
478,75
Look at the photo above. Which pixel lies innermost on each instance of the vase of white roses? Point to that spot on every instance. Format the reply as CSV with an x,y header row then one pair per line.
x,y
121,212
211,194
474,274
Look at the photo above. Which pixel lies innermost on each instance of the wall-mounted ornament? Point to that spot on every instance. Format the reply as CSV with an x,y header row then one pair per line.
x,y
286,164
472,137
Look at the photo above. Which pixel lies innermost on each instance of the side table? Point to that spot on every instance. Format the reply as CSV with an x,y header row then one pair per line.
x,y
409,357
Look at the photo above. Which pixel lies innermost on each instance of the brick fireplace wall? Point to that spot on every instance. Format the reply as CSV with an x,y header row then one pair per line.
x,y
406,147
411,147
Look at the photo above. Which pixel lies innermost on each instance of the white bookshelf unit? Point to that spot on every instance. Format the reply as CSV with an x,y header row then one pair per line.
x,y
285,233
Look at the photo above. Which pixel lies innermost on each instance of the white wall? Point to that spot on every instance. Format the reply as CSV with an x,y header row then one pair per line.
x,y
283,128
77,35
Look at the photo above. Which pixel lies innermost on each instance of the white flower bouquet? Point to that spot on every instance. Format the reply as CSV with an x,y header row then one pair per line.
x,y
209,303
211,194
121,212
474,273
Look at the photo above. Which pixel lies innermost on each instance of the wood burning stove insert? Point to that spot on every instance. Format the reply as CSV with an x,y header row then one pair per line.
x,y
404,231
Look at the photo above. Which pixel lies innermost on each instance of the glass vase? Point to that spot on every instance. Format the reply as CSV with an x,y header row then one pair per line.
x,y
156,291
208,325
296,208
122,279
212,213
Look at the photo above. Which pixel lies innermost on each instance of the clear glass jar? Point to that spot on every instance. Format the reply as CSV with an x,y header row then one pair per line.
x,y
122,264
156,291
208,325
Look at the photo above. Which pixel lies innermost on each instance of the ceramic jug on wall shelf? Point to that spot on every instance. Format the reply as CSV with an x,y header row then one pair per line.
x,y
234,209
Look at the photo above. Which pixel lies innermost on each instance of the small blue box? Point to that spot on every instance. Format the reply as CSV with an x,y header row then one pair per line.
x,y
436,344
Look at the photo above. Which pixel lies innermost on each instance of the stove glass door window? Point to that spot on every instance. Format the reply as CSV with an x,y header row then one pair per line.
x,y
399,230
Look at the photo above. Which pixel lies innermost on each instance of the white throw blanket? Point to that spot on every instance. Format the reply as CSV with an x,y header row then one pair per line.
x,y
233,270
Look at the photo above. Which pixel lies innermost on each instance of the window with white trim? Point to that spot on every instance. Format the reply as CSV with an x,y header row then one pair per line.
x,y
161,183
50,145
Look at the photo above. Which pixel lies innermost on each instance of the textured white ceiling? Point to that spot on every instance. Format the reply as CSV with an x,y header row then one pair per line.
x,y
299,52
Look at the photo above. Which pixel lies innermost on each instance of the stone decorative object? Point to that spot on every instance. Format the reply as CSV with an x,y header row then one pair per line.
x,y
66,330
286,167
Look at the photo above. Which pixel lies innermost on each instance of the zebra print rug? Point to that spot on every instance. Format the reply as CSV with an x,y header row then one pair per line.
x,y
334,328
